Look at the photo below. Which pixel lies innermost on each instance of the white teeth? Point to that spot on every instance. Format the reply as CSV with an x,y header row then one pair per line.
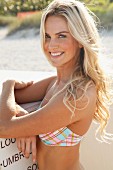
x,y
56,54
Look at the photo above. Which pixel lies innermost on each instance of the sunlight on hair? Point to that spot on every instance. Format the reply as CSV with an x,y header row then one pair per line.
x,y
82,24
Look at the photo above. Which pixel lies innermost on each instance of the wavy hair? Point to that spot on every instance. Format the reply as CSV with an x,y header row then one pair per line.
x,y
82,26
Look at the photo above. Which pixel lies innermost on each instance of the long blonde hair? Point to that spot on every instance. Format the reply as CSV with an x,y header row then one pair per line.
x,y
82,26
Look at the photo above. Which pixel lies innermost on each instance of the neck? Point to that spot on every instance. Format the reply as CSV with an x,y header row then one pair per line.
x,y
64,73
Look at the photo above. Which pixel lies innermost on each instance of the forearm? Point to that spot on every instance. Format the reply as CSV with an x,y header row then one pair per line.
x,y
7,101
9,108
28,94
33,93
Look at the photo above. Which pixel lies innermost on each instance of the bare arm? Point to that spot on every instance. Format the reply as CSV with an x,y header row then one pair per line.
x,y
33,93
49,118
8,108
7,101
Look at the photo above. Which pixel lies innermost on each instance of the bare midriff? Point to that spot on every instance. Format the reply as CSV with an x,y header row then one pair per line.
x,y
57,157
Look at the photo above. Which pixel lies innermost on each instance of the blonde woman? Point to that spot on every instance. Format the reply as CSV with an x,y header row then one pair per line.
x,y
70,100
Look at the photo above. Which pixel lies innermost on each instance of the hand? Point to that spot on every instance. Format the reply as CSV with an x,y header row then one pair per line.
x,y
20,111
22,84
27,145
17,84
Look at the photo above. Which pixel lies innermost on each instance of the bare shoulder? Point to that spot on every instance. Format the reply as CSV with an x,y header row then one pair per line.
x,y
86,101
91,91
59,111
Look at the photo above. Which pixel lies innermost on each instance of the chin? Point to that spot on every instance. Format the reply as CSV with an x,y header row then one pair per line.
x,y
56,64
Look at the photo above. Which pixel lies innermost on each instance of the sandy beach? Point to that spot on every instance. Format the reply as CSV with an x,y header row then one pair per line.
x,y
22,51
24,54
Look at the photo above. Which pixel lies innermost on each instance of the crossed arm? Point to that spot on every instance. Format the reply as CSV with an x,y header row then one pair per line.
x,y
40,121
24,92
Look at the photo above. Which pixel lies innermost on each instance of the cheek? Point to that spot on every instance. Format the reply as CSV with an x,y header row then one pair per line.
x,y
45,47
66,45
75,46
71,45
71,48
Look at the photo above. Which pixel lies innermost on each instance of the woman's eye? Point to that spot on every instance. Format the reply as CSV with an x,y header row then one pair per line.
x,y
62,36
47,37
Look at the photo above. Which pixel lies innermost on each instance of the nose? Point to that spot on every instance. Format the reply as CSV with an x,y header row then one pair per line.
x,y
53,44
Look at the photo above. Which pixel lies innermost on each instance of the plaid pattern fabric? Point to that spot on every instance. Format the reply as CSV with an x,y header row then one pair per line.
x,y
61,137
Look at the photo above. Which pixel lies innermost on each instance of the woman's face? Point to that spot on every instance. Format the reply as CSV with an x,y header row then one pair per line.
x,y
60,47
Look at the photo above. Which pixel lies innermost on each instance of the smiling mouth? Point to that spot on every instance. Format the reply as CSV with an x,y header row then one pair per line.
x,y
56,54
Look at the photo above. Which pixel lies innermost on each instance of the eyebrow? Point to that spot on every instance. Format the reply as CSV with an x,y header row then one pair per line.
x,y
60,32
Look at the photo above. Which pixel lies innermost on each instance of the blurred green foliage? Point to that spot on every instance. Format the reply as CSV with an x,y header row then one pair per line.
x,y
12,7
4,21
9,9
103,9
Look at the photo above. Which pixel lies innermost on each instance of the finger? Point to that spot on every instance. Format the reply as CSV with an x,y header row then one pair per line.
x,y
23,145
33,146
30,83
18,141
28,148
24,84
